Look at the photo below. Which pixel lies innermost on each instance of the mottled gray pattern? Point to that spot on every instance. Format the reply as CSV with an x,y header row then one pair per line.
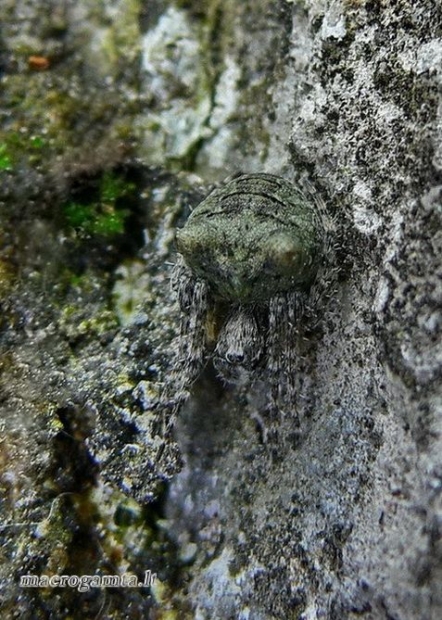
x,y
252,250
253,237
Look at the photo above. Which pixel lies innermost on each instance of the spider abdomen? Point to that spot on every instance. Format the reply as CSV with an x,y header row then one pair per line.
x,y
255,236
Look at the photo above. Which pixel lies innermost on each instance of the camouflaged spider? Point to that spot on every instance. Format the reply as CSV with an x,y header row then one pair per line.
x,y
250,254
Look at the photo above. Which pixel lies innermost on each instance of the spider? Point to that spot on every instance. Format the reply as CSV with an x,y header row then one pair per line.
x,y
250,255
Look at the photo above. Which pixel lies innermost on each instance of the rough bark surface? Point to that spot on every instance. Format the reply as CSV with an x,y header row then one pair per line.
x,y
342,518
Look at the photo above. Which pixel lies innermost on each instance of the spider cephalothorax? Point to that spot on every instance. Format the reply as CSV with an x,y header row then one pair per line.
x,y
250,253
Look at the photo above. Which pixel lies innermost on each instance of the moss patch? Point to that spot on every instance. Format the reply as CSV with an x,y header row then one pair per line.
x,y
102,211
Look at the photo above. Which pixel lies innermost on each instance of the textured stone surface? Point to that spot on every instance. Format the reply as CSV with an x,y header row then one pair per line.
x,y
347,521
343,517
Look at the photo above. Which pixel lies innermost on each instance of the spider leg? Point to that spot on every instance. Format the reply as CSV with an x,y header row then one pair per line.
x,y
285,310
192,296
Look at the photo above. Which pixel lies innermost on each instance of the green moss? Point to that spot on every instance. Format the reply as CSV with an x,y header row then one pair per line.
x,y
106,215
95,219
5,159
17,147
113,187
37,142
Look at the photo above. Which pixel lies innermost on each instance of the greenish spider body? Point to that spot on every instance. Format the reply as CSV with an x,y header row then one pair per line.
x,y
255,236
